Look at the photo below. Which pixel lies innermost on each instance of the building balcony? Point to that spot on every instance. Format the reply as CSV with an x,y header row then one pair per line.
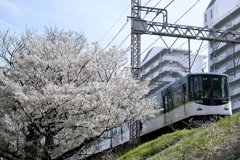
x,y
164,80
158,72
227,23
220,70
235,105
223,56
229,66
215,71
234,91
233,79
177,60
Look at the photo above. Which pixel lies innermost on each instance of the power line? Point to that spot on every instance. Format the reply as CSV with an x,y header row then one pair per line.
x,y
191,56
153,7
117,34
174,23
115,23
147,2
213,22
121,28
186,12
143,18
207,44
124,40
198,51
225,14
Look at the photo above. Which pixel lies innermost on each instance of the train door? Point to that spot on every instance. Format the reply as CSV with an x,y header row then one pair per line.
x,y
177,92
185,97
164,107
167,103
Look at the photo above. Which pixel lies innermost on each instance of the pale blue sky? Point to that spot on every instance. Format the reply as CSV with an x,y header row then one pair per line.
x,y
93,17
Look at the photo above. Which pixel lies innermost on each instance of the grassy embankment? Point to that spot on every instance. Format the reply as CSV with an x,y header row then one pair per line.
x,y
219,140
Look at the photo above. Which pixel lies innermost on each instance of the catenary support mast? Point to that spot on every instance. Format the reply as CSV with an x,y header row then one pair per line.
x,y
135,68
136,41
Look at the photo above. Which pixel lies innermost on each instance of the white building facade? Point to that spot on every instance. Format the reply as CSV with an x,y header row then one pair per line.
x,y
225,57
164,66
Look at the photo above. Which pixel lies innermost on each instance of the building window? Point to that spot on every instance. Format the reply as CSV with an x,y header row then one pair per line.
x,y
211,13
205,17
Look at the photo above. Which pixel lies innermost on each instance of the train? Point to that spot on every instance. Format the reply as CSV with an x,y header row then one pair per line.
x,y
189,101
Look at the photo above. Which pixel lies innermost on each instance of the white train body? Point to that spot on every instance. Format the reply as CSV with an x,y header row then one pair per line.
x,y
184,112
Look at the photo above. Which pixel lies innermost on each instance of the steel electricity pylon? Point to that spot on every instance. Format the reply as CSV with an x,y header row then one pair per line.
x,y
135,67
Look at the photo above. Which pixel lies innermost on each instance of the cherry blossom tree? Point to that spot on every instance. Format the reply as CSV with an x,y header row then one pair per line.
x,y
59,93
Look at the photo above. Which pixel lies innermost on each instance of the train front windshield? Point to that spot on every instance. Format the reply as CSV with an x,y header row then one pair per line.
x,y
209,89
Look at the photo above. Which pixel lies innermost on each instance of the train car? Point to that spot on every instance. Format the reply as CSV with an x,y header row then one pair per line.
x,y
195,98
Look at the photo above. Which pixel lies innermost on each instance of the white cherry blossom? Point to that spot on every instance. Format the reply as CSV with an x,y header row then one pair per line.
x,y
59,93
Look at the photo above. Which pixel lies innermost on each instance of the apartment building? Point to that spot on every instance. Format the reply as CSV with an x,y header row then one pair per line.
x,y
225,57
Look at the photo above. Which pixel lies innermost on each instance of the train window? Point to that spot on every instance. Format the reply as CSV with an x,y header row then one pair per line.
x,y
201,87
167,101
157,105
191,87
220,87
177,95
184,88
206,86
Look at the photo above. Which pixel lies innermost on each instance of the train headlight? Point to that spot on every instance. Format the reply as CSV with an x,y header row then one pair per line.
x,y
199,108
226,108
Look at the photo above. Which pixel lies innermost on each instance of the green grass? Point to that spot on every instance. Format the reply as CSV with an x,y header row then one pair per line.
x,y
153,147
201,143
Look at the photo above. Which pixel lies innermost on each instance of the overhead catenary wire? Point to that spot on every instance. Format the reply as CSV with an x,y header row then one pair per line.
x,y
201,48
147,2
121,28
117,34
213,22
174,23
123,41
206,46
186,12
158,37
191,56
143,18
114,23
184,42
